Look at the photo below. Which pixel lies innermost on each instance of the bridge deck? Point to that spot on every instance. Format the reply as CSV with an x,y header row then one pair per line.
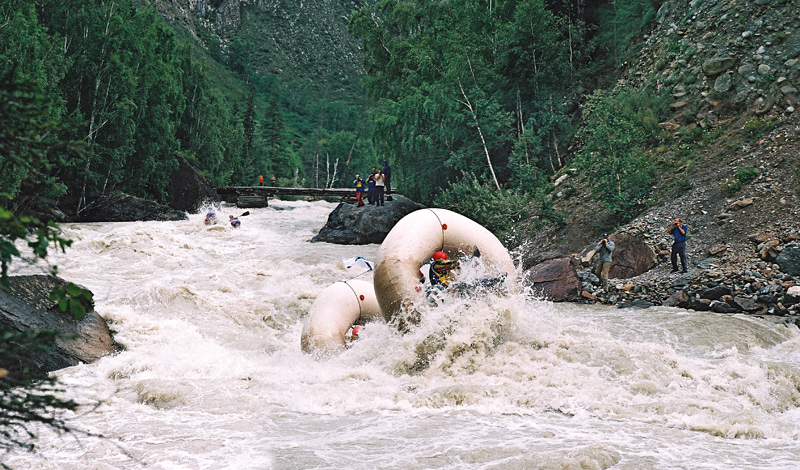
x,y
272,191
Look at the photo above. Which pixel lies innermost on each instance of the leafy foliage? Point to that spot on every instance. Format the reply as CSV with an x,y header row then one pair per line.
x,y
612,155
27,401
29,142
743,176
458,84
29,146
499,211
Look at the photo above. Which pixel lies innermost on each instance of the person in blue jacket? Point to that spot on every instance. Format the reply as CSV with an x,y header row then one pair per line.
x,y
678,231
387,178
371,186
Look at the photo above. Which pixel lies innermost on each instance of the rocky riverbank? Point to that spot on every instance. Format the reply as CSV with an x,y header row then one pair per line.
x,y
762,278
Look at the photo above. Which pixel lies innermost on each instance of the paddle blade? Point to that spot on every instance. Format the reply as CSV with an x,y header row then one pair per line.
x,y
245,213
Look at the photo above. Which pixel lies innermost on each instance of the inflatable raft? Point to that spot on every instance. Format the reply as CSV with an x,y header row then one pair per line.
x,y
337,308
408,246
412,242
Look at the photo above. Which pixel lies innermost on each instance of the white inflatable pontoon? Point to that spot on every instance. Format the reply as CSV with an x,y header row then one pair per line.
x,y
335,310
412,242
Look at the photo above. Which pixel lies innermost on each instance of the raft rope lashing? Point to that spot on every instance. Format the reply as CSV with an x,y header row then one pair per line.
x,y
359,298
442,225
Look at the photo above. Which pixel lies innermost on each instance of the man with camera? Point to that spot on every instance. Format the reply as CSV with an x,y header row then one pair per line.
x,y
678,230
604,249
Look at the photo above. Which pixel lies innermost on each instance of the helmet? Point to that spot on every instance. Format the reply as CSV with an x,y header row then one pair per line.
x,y
356,331
357,176
230,216
439,255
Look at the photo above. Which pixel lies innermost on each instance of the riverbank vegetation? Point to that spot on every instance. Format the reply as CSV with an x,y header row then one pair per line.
x,y
489,95
471,91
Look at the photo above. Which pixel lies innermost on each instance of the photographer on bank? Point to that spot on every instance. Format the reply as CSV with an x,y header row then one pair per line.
x,y
604,249
678,230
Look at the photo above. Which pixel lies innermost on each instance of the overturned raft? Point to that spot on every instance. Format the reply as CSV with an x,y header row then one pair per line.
x,y
412,242
335,310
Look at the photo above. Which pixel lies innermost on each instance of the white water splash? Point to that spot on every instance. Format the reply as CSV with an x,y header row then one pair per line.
x,y
212,375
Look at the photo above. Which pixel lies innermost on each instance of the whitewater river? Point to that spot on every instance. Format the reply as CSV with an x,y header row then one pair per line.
x,y
212,376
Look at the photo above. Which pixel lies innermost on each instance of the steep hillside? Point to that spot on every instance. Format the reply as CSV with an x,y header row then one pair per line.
x,y
305,40
732,69
730,164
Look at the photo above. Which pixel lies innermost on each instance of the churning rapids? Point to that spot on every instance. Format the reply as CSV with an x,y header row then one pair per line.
x,y
212,376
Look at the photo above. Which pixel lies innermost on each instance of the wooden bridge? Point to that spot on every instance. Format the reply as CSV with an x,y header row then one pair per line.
x,y
256,196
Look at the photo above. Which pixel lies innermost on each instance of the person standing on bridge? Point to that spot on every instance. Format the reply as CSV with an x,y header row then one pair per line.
x,y
272,180
260,180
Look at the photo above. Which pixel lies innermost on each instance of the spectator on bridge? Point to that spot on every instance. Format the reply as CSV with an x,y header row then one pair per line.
x,y
272,180
260,180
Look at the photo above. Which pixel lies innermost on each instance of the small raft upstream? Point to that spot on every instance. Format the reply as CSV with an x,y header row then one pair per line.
x,y
408,246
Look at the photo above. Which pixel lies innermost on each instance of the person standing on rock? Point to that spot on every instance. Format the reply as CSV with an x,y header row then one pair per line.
x,y
371,186
678,230
604,249
359,184
387,176
379,185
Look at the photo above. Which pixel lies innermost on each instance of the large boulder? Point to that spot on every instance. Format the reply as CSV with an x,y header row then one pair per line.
x,y
789,259
632,256
351,225
186,190
555,279
120,207
26,307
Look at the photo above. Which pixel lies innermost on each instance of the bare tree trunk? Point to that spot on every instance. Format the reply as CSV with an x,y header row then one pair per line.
x,y
92,130
469,106
352,147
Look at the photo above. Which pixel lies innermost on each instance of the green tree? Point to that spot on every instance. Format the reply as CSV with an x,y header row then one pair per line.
x,y
613,156
31,140
458,85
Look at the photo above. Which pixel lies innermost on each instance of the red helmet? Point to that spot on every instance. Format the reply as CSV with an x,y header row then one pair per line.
x,y
439,255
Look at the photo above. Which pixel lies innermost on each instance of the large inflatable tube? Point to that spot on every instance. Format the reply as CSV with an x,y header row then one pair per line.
x,y
412,242
335,310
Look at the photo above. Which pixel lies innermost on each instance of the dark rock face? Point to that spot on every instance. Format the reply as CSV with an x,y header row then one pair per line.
x,y
351,225
555,279
120,207
679,298
631,257
186,191
26,307
789,259
714,293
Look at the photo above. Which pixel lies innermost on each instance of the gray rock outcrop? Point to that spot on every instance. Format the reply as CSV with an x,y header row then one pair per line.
x,y
119,207
26,307
789,259
186,191
351,225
